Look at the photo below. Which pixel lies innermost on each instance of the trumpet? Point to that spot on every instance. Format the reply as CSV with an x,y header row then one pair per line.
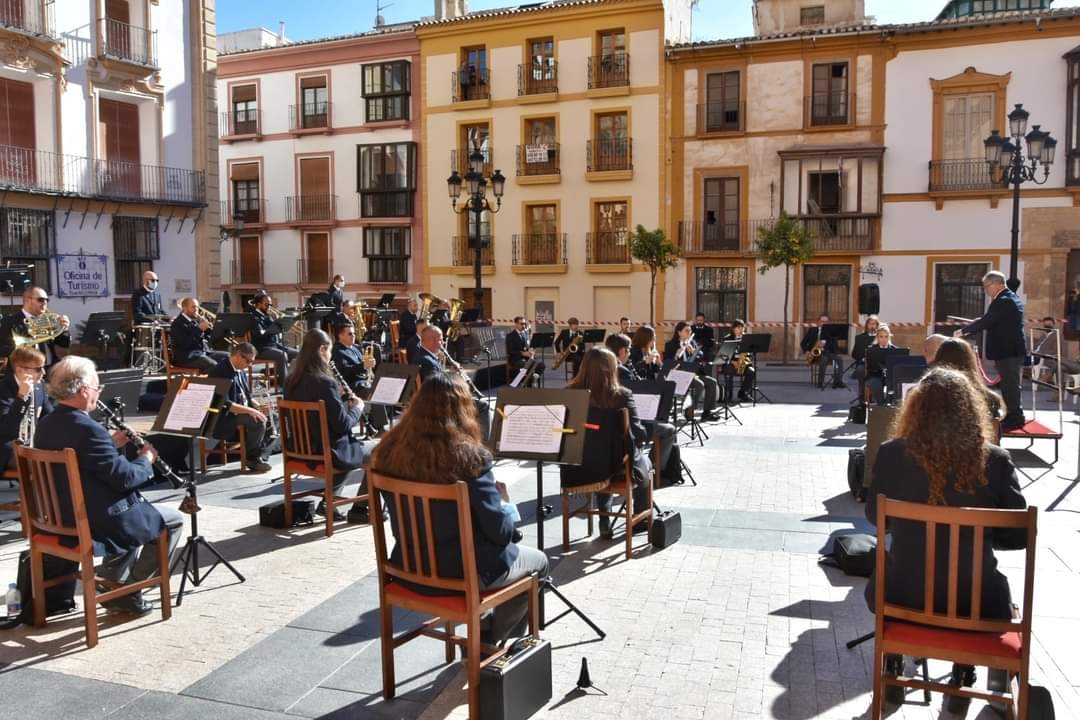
x,y
210,317
687,349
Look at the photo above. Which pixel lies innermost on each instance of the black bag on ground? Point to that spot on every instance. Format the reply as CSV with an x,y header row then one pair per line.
x,y
666,529
856,471
857,414
273,514
854,554
518,684
59,599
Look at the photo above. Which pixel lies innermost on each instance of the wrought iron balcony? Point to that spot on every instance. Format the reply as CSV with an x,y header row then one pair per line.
x,y
311,208
696,237
607,247
252,210
29,17
847,232
605,155
129,43
244,273
314,271
962,176
310,116
540,159
606,71
538,78
721,116
459,160
462,252
539,249
830,108
240,123
470,82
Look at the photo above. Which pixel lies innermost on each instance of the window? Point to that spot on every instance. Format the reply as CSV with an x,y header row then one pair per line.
x,y
120,173
826,291
315,266
721,293
813,15
723,109
541,244
245,117
611,68
829,98
720,226
611,142
610,242
388,250
387,179
541,151
135,246
958,291
1072,119
245,199
29,237
314,108
472,76
473,137
538,74
386,91
17,134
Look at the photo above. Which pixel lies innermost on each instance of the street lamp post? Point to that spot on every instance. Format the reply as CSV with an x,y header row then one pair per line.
x,y
1004,155
476,202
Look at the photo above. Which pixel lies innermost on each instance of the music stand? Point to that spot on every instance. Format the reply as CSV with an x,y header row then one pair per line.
x,y
900,369
202,428
231,325
15,279
696,431
665,391
754,343
594,335
101,328
570,452
471,315
386,300
725,354
397,371
542,341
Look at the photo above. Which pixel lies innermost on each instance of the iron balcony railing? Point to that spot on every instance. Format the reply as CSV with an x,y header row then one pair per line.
x,y
607,71
831,232
539,249
310,116
315,207
314,271
462,252
470,82
245,273
251,210
129,43
38,171
705,237
32,17
603,155
607,247
538,78
539,159
830,108
721,116
240,123
963,175
459,160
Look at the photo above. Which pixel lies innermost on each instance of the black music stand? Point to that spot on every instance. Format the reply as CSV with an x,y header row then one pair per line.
x,y
696,432
725,354
570,452
399,371
386,300
231,325
542,341
594,335
14,279
665,389
103,328
901,369
203,429
755,343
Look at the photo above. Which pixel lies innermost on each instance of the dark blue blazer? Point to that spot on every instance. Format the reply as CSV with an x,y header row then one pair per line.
x,y
187,341
145,303
407,326
348,451
1003,322
12,410
239,392
267,332
428,363
515,346
644,370
121,519
337,297
412,348
350,363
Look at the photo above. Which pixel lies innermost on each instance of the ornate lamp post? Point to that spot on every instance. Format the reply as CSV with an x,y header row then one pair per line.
x,y
476,202
1004,155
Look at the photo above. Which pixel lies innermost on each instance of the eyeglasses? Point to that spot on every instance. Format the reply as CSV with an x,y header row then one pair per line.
x,y
95,388
39,369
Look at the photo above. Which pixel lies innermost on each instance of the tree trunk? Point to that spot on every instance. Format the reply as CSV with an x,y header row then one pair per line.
x,y
652,297
787,292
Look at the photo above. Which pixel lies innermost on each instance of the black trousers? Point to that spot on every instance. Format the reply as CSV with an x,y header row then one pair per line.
x,y
205,361
228,430
745,386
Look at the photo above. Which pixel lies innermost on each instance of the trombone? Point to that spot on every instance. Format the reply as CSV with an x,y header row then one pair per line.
x,y
210,318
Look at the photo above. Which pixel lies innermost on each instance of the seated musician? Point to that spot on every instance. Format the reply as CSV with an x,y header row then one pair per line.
x,y
730,369
412,346
943,454
518,353
23,401
875,363
311,380
430,360
681,349
958,354
347,314
124,526
336,292
146,300
266,337
858,351
354,367
239,411
407,323
35,303
438,441
704,337
670,455
565,339
624,326
816,337
644,357
188,339
600,377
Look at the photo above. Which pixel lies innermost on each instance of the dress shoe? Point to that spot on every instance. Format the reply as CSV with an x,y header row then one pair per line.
x,y
605,528
321,510
894,666
744,398
359,515
132,604
711,416
257,466
962,676
1013,423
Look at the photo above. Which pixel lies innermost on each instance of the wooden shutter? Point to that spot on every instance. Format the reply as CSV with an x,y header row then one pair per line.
x,y
117,10
119,125
243,93
249,260
318,81
318,257
315,176
17,114
244,171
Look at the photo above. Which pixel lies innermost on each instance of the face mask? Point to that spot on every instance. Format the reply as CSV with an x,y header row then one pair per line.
x,y
153,284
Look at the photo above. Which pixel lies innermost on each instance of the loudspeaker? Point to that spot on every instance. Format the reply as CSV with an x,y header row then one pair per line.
x,y
869,299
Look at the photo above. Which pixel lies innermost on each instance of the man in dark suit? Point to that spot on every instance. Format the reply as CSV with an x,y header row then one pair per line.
x,y
565,339
23,401
704,337
124,526
238,411
266,337
187,339
354,367
746,385
817,337
429,360
518,353
858,351
336,291
146,300
407,323
35,303
412,346
1003,322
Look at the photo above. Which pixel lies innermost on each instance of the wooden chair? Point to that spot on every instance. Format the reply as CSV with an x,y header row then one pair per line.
x,y
43,522
395,335
402,356
260,365
462,602
607,467
11,475
966,639
302,456
224,449
172,370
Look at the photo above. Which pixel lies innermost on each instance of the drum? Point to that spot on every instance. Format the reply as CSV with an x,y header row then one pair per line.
x,y
144,336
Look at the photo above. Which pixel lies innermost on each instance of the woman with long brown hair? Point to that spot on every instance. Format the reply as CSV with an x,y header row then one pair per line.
x,y
644,356
960,355
942,454
438,440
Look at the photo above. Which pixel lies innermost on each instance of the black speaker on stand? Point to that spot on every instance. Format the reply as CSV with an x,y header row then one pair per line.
x,y
869,299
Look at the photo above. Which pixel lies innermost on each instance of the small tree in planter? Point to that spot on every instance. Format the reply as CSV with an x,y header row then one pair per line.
x,y
784,242
653,249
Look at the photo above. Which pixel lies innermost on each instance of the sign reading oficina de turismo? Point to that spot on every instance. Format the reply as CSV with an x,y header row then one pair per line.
x,y
82,276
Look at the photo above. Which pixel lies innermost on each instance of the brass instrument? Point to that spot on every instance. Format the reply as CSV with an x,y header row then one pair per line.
x,y
687,349
41,329
813,356
210,317
369,354
428,302
653,356
569,350
742,361
457,307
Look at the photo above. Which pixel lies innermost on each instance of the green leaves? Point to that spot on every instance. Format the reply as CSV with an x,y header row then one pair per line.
x,y
784,242
653,249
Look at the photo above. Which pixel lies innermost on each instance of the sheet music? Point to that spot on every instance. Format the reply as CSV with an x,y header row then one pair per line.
x,y
682,380
647,406
532,429
189,407
518,378
388,391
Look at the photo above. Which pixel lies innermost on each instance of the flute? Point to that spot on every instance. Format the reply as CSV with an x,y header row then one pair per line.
x,y
139,441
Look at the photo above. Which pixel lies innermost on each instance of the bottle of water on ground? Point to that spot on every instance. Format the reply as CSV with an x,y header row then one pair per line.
x,y
14,600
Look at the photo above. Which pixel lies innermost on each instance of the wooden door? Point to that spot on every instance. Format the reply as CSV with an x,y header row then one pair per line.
x,y
250,270
119,173
117,28
317,252
315,188
17,136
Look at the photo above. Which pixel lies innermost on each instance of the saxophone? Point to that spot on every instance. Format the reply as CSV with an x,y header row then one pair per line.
x,y
572,348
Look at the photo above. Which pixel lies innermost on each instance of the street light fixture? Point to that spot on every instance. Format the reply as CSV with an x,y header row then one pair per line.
x,y
1009,166
476,202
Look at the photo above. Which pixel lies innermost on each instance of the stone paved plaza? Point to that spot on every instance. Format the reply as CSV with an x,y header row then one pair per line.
x,y
737,620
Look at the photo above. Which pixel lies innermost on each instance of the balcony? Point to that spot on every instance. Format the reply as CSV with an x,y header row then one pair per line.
x,y
386,203
541,160
240,124
253,211
538,79
705,238
29,17
244,273
127,43
963,176
459,160
721,117
830,109
470,83
37,171
310,117
606,156
609,72
462,252
314,271
608,247
832,233
311,209
539,252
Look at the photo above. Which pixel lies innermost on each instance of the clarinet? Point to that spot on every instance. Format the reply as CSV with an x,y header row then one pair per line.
x,y
345,389
111,419
455,366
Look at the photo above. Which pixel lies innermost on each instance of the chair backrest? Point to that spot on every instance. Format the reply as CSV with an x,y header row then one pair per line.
x,y
978,520
395,334
297,440
166,350
607,450
402,356
42,504
409,505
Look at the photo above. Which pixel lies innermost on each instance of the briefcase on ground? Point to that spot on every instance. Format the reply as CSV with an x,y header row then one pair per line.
x,y
518,684
273,514
666,529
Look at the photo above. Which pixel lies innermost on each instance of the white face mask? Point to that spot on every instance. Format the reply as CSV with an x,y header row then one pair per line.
x,y
153,284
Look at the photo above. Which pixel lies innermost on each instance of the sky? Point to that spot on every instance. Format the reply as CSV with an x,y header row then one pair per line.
x,y
714,19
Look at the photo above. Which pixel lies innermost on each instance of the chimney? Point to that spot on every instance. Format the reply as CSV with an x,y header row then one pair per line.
x,y
450,9
281,32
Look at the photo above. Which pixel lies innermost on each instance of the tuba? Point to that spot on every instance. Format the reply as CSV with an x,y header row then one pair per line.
x,y
457,307
41,329
428,302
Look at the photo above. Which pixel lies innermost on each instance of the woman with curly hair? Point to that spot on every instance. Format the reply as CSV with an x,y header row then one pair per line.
x,y
942,454
960,355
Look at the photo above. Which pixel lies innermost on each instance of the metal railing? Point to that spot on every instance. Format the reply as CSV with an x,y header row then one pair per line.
x,y
462,253
962,175
705,237
314,272
542,159
309,116
603,155
38,171
609,70
470,82
831,232
245,273
129,43
539,249
721,116
32,17
240,122
459,160
315,207
831,108
253,211
607,247
538,78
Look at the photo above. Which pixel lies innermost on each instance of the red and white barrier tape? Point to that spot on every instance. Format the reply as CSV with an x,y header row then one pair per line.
x,y
749,324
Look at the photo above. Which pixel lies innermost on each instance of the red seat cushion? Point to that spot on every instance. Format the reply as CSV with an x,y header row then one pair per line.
x,y
1033,429
455,603
298,467
983,643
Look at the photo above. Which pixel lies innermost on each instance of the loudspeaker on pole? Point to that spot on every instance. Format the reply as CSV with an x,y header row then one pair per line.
x,y
869,299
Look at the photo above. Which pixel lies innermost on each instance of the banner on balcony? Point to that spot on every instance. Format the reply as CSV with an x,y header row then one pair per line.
x,y
536,153
82,276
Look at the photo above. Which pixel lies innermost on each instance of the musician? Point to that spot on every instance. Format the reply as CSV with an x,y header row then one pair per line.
x,y
354,367
336,292
311,380
1003,322
440,317
875,363
816,337
518,353
858,351
566,339
124,526
146,300
412,346
644,358
266,337
624,326
681,349
730,369
704,337
239,411
188,339
407,323
23,401
960,355
931,345
347,314
430,360
35,303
